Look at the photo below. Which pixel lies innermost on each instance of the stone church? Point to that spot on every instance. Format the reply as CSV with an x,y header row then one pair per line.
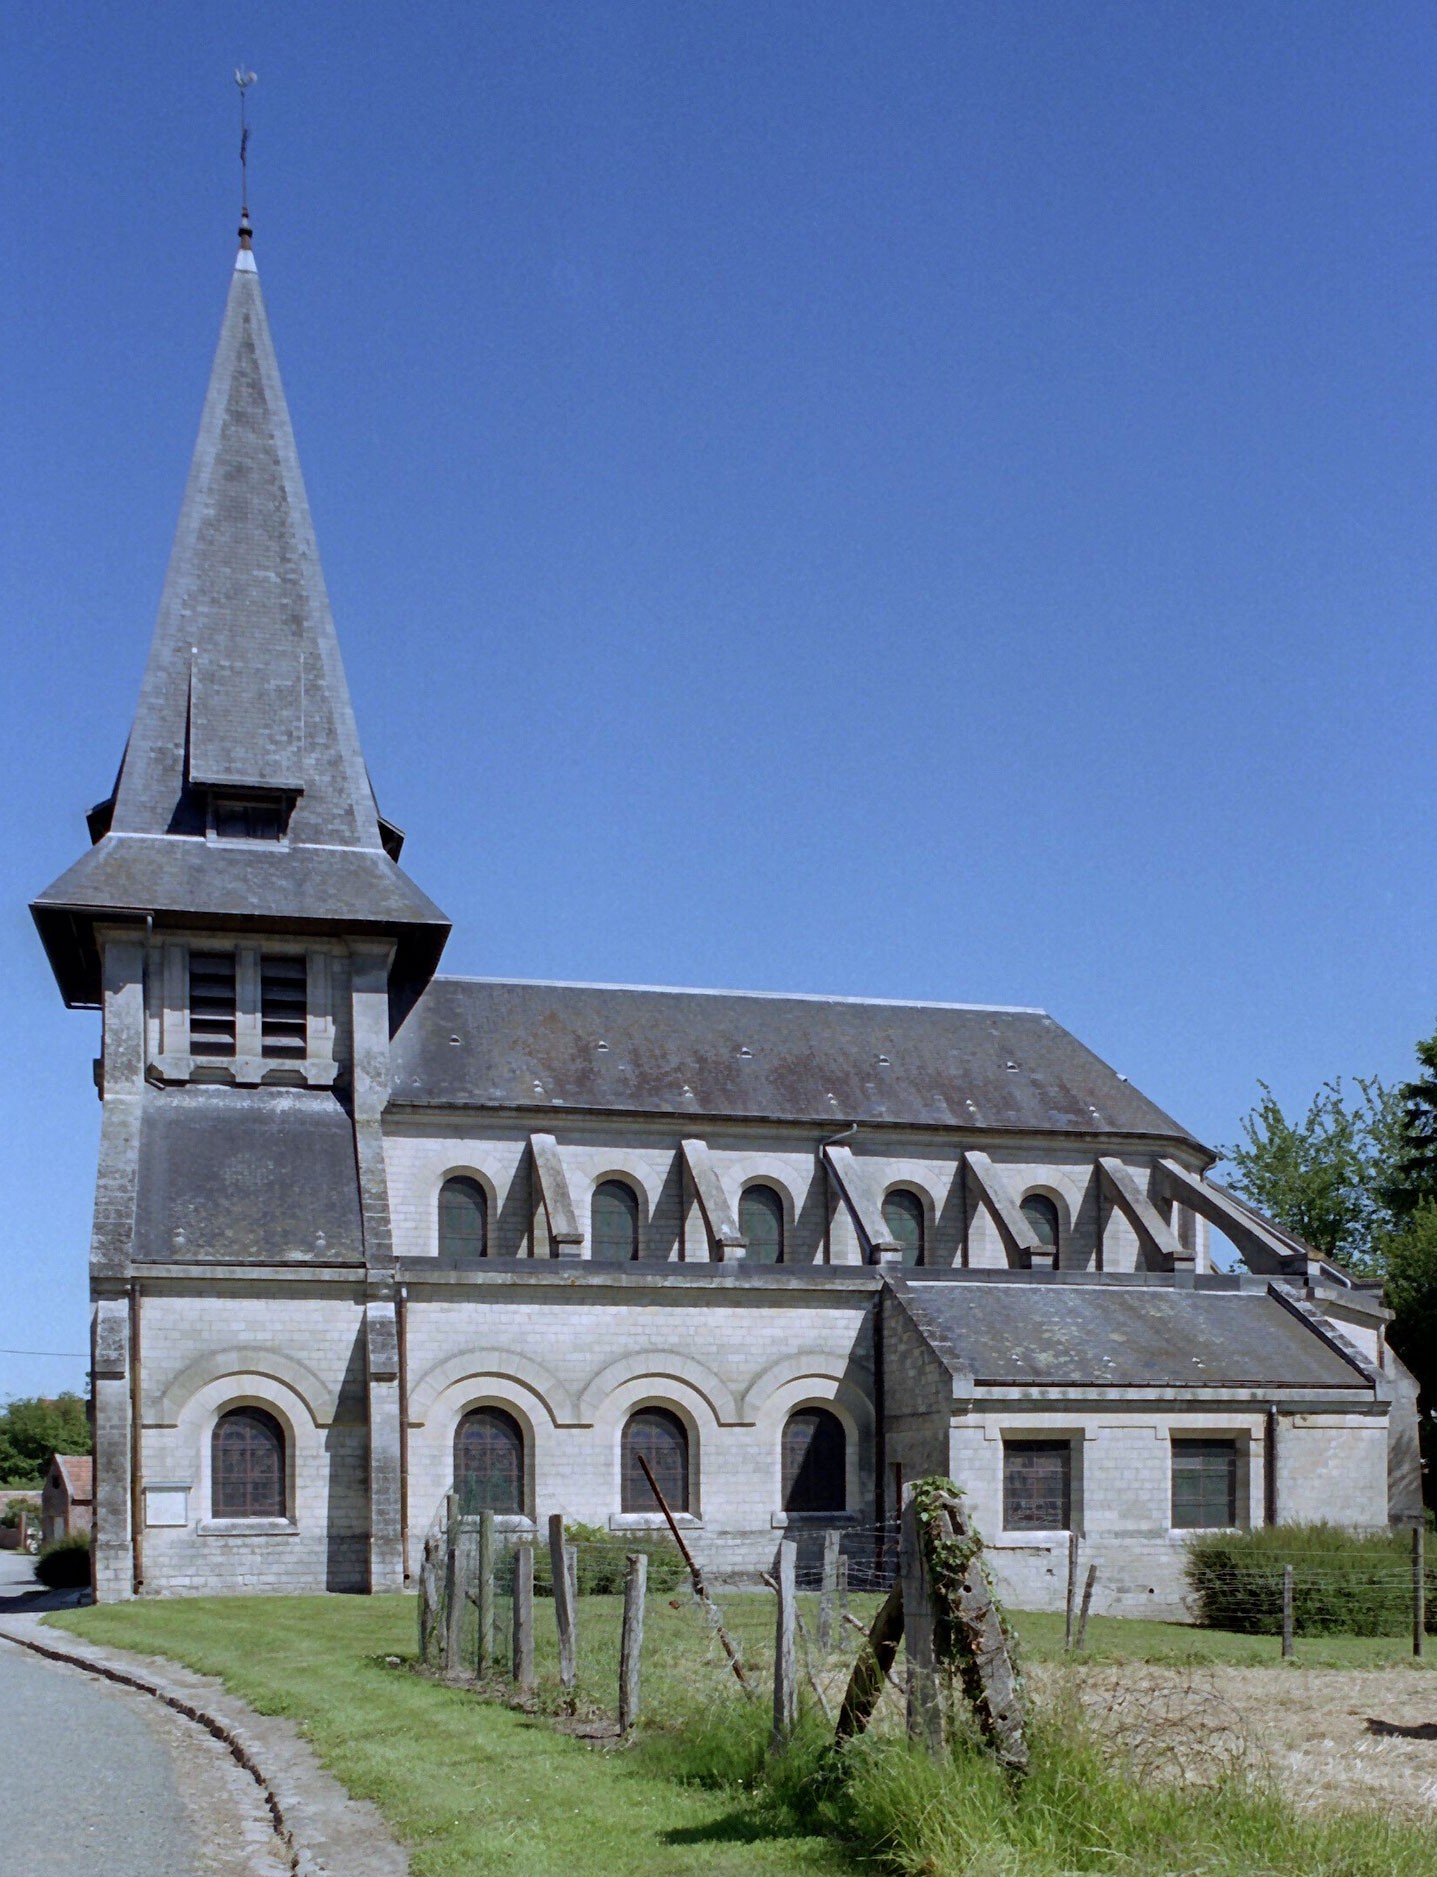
x,y
362,1229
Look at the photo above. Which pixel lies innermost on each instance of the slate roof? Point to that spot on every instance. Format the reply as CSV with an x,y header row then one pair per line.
x,y
480,1043
1112,1335
246,1176
244,688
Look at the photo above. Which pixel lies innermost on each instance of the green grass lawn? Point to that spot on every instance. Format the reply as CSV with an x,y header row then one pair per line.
x,y
1127,1639
472,1786
469,1786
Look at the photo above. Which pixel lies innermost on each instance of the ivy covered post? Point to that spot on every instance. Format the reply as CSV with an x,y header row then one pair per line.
x,y
971,1640
925,1706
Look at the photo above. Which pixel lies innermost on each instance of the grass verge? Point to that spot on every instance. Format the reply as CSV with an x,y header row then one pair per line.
x,y
474,1787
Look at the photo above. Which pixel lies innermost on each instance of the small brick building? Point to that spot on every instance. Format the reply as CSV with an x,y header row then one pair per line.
x,y
368,1229
67,1499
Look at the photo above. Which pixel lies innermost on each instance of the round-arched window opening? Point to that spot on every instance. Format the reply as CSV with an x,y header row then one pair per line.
x,y
463,1218
1042,1214
903,1215
815,1462
489,1462
247,1466
760,1219
660,1437
614,1223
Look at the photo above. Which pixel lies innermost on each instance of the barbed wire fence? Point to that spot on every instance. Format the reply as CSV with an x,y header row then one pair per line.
x,y
601,1627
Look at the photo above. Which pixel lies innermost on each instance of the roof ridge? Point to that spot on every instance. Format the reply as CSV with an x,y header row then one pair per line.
x,y
705,990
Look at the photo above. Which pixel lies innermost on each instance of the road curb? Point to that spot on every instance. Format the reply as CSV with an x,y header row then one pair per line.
x,y
286,1803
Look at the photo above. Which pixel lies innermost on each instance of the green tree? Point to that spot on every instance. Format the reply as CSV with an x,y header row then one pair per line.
x,y
1326,1175
32,1427
1413,1177
1411,1292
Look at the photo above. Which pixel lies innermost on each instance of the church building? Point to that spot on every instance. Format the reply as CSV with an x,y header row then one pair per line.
x,y
363,1230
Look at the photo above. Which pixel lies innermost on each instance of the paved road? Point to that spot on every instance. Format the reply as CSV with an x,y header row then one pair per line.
x,y
87,1780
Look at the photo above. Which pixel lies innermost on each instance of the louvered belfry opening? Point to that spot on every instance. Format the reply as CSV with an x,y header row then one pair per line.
x,y
283,1005
489,1462
247,1466
815,1462
663,1440
212,1003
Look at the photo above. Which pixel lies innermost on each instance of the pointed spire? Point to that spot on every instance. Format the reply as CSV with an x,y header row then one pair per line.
x,y
244,686
244,695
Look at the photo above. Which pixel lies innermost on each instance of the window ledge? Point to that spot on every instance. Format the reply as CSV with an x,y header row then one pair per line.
x,y
812,1521
503,1522
247,1528
1033,1541
653,1522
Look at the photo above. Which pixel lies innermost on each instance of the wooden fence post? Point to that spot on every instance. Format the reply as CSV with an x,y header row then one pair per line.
x,y
1286,1611
1072,1603
1419,1590
925,1708
1084,1607
636,1580
873,1667
563,1601
523,1663
785,1658
454,1589
828,1591
428,1599
485,1651
842,1588
571,1565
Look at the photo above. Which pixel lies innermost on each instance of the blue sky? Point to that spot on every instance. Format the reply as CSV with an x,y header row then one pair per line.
x,y
896,499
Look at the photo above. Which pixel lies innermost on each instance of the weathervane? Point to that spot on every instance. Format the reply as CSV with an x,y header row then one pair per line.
x,y
244,80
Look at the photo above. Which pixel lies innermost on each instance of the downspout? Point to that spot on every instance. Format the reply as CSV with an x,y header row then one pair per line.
x,y
137,1523
401,1335
1269,1467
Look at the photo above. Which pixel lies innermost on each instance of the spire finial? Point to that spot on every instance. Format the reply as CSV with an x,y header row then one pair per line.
x,y
244,80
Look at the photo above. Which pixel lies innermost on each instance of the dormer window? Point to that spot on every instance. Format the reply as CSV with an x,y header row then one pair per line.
x,y
249,815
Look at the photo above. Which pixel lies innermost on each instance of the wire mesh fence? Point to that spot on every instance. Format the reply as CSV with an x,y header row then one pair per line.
x,y
489,1615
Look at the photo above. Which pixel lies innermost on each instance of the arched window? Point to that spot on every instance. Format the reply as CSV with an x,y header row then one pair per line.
x,y
614,1223
663,1440
463,1218
1042,1215
247,1466
489,1462
903,1215
760,1219
815,1462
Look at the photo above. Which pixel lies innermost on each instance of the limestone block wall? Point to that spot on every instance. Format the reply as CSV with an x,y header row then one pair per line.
x,y
298,1352
421,1153
732,1364
1329,1466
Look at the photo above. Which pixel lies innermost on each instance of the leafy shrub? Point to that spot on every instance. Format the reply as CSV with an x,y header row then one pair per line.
x,y
1343,1583
10,1513
64,1564
601,1561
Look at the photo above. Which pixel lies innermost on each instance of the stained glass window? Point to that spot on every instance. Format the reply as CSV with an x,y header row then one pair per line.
x,y
463,1218
1037,1485
247,1466
614,1223
663,1440
903,1215
489,1462
760,1219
